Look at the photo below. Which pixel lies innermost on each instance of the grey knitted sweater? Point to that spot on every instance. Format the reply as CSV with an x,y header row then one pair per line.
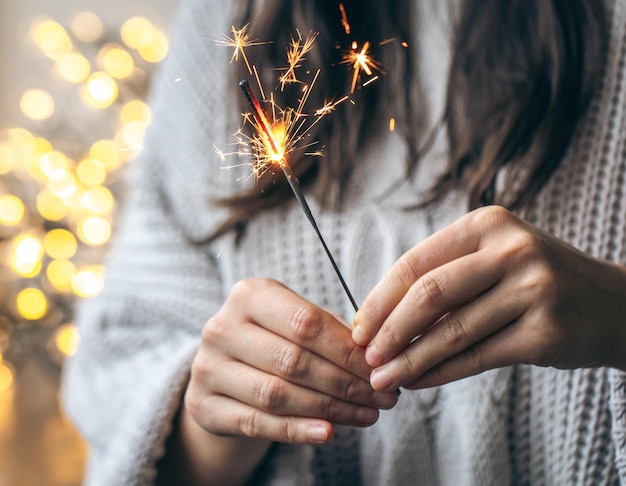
x,y
520,425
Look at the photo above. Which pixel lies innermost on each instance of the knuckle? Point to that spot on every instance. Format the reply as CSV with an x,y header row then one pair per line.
x,y
272,394
391,336
305,323
475,360
430,291
540,281
408,269
290,361
490,217
250,423
213,330
453,331
291,431
330,408
352,390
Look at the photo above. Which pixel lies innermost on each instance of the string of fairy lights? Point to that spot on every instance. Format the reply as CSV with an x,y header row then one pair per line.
x,y
57,199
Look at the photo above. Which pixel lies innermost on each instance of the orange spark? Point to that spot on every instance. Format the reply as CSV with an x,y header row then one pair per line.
x,y
239,41
344,19
361,61
296,53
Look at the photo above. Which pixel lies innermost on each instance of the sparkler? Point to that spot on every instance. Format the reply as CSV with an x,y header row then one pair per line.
x,y
274,141
276,148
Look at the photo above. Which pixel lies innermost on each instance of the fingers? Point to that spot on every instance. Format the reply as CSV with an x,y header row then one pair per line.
x,y
274,355
502,349
278,397
300,322
225,416
432,296
443,247
456,334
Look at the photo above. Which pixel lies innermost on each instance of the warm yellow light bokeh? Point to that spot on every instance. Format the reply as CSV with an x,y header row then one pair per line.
x,y
155,50
136,111
60,274
137,32
67,339
107,153
51,37
7,160
94,231
60,243
116,61
87,26
98,200
50,206
52,161
6,378
37,104
11,210
91,172
100,90
32,304
27,252
88,282
73,67
61,183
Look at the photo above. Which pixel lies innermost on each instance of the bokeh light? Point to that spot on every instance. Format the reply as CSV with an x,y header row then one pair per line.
x,y
87,26
51,37
60,274
61,183
100,90
116,61
27,252
98,200
136,111
6,377
37,104
50,206
11,210
94,231
53,161
67,339
88,282
73,67
32,304
60,243
107,153
91,172
155,50
7,160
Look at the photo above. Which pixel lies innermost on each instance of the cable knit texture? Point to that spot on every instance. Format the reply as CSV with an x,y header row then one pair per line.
x,y
521,425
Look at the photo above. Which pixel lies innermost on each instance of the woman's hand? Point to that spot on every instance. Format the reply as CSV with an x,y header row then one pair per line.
x,y
488,291
273,366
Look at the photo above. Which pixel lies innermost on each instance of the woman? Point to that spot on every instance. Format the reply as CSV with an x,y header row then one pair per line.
x,y
218,352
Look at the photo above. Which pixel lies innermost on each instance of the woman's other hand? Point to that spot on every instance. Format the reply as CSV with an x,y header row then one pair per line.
x,y
273,366
491,290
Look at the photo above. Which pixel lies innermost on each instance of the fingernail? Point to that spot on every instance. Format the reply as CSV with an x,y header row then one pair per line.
x,y
367,415
318,434
381,381
373,357
359,336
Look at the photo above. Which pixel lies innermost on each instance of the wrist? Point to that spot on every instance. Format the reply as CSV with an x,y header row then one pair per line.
x,y
196,456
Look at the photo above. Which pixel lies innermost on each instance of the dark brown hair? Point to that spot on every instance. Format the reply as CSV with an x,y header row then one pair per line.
x,y
522,74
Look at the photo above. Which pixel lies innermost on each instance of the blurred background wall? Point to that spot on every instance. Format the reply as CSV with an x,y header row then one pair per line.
x,y
74,75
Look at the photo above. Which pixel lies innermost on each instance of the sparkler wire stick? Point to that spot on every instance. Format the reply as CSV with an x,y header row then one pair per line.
x,y
264,127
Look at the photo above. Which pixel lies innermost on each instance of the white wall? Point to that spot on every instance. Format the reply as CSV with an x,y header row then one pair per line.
x,y
22,68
